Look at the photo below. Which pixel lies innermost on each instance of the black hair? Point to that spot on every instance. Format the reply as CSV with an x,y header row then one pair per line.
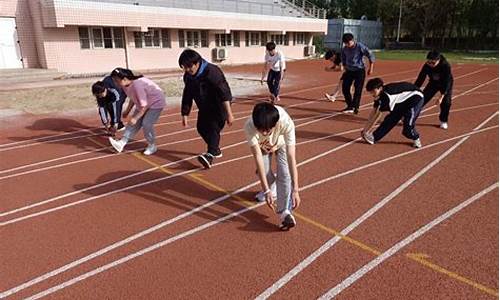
x,y
434,55
347,37
265,116
98,88
188,58
270,46
124,73
374,83
329,54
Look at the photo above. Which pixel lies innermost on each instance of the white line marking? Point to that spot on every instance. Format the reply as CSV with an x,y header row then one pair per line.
x,y
403,243
197,209
330,243
142,140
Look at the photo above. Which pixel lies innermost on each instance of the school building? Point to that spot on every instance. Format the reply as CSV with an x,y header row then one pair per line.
x,y
90,36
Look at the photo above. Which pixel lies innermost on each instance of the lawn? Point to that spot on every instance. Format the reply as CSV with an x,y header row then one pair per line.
x,y
455,57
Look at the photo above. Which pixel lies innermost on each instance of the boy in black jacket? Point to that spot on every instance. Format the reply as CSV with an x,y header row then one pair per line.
x,y
402,100
206,84
440,79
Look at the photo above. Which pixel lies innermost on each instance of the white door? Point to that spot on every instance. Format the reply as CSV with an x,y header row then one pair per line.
x,y
10,56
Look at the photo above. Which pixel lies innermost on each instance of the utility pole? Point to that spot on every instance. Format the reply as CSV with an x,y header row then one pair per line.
x,y
399,21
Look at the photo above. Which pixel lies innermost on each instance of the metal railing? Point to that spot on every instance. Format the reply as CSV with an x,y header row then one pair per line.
x,y
308,8
296,8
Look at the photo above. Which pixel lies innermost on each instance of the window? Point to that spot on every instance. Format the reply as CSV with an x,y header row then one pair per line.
x,y
97,38
225,40
299,38
100,37
154,38
83,32
280,39
252,39
193,39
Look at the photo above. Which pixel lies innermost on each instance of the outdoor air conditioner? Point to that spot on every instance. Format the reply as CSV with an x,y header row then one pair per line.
x,y
220,53
309,50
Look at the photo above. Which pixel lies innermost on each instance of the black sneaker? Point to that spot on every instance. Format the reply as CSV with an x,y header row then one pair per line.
x,y
206,160
218,154
348,110
120,127
288,222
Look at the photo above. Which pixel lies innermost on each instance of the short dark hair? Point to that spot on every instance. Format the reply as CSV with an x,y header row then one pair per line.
x,y
433,55
98,88
188,58
124,73
329,54
265,116
374,83
347,37
270,46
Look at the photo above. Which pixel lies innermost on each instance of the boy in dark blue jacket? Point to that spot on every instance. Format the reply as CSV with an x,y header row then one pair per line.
x,y
108,102
206,84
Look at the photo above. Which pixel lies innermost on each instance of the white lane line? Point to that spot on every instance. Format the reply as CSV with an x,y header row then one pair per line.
x,y
403,243
330,243
175,162
158,226
114,154
46,139
142,140
29,216
168,134
133,255
197,209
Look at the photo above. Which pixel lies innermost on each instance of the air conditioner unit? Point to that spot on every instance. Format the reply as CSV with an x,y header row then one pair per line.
x,y
309,50
220,53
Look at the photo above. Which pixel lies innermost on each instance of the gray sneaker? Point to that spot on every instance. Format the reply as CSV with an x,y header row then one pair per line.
x,y
368,137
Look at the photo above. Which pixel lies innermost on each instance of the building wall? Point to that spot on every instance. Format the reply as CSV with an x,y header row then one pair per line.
x,y
19,9
51,39
63,52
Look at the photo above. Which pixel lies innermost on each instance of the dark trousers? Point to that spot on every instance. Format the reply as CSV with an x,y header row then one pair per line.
x,y
429,92
209,129
273,82
119,108
358,77
409,112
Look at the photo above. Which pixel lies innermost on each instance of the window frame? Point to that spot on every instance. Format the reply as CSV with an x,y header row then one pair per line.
x,y
90,37
156,38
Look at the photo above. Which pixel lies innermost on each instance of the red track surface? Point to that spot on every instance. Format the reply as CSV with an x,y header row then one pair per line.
x,y
51,216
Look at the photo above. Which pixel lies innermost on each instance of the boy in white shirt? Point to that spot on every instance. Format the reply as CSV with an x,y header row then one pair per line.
x,y
274,67
270,131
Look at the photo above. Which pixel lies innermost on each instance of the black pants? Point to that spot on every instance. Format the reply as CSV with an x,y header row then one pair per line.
x,y
209,129
358,77
429,92
273,82
407,111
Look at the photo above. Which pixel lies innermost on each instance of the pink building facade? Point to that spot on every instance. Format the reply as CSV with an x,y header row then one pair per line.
x,y
81,37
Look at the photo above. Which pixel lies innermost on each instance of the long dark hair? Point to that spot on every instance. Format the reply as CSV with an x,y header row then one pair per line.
x,y
124,73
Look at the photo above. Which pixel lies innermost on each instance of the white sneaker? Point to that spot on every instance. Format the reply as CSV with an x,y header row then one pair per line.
x,y
330,97
368,137
444,125
417,143
150,149
261,197
117,144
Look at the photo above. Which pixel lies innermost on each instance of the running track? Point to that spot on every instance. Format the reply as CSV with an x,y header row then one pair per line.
x,y
376,222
